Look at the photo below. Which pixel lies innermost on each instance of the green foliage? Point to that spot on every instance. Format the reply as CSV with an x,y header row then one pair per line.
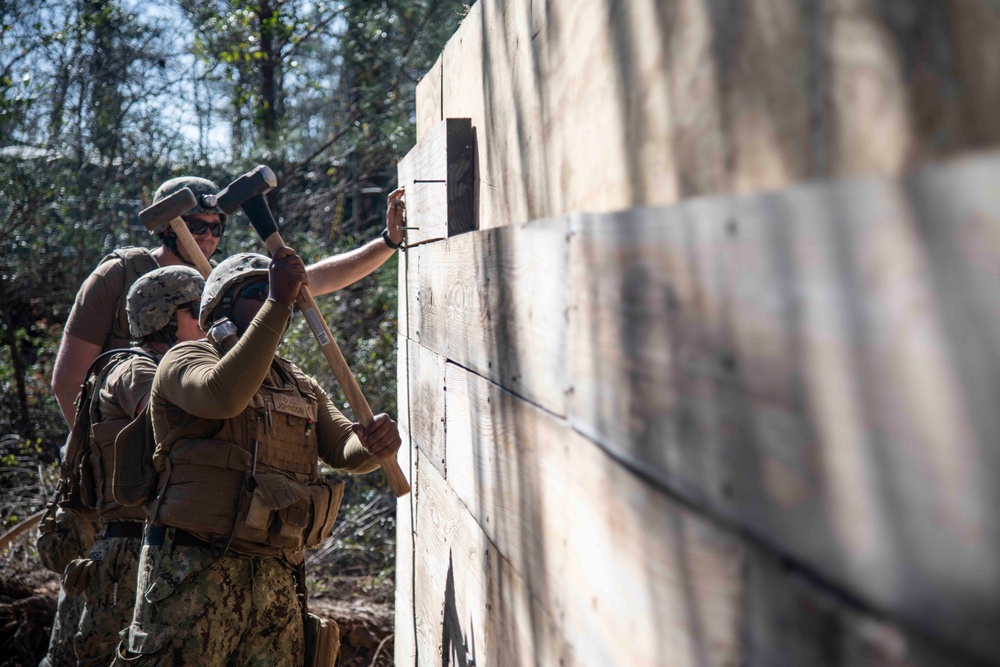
x,y
93,97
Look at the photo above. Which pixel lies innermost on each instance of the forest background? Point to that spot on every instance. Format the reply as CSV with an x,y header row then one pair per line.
x,y
102,100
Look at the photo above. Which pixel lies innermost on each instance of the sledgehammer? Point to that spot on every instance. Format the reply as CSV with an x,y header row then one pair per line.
x,y
247,192
167,213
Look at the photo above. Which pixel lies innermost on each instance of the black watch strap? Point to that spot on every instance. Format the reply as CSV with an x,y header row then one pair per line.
x,y
388,240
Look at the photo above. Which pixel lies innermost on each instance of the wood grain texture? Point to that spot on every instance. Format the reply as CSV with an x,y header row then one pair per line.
x,y
427,209
607,555
496,302
814,365
402,309
584,105
403,389
438,175
429,110
476,607
493,77
427,402
404,638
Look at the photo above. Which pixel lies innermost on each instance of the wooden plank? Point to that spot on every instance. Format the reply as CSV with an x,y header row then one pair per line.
x,y
788,365
474,608
976,27
583,106
788,621
427,401
427,208
494,77
438,176
610,556
544,499
402,294
770,68
429,112
496,301
431,546
403,388
871,122
404,628
426,292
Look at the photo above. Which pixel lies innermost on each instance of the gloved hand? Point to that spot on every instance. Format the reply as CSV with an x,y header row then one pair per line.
x,y
78,574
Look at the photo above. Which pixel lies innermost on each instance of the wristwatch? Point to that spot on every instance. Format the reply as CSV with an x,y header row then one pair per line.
x,y
388,240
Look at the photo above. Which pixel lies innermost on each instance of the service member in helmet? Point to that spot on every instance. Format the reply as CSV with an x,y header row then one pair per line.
x,y
162,308
97,322
238,432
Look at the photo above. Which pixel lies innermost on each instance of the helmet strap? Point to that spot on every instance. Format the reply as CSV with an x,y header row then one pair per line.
x,y
166,335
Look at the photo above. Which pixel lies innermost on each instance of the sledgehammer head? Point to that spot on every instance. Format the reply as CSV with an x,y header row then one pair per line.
x,y
157,217
257,181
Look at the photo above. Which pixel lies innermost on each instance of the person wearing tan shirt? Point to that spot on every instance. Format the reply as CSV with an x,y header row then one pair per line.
x,y
97,321
238,433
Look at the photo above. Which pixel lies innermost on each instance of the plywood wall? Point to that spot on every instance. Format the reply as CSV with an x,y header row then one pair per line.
x,y
603,105
710,378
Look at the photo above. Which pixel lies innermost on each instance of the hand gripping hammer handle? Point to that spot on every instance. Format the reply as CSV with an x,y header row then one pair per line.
x,y
260,216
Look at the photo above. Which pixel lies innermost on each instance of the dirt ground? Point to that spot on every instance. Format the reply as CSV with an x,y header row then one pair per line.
x,y
361,605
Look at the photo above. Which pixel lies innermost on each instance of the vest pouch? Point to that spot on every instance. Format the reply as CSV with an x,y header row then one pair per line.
x,y
205,486
325,498
277,513
134,478
272,493
88,490
102,457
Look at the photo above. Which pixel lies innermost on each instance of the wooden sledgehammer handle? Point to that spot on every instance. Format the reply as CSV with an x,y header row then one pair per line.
x,y
356,399
256,210
167,213
191,249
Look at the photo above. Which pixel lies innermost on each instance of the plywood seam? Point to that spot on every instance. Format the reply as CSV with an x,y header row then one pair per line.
x,y
509,391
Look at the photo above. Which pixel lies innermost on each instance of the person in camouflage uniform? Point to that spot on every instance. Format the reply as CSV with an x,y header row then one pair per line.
x,y
62,538
238,433
98,323
162,309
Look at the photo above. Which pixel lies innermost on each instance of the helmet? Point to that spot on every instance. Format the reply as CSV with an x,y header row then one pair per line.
x,y
232,271
153,298
203,189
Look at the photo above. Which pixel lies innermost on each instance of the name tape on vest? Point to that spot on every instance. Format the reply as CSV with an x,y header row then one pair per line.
x,y
298,406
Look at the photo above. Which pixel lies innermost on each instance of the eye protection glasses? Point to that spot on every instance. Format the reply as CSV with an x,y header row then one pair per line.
x,y
197,226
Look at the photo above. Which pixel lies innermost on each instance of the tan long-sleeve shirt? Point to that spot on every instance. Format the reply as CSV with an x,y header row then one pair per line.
x,y
197,388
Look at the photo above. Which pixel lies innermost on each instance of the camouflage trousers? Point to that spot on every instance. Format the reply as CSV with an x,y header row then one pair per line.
x,y
110,596
62,537
192,608
68,609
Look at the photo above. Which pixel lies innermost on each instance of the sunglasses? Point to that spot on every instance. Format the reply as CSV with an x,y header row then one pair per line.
x,y
254,291
197,226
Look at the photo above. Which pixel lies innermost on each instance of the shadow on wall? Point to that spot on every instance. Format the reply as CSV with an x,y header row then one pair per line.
x,y
457,650
800,367
613,104
811,367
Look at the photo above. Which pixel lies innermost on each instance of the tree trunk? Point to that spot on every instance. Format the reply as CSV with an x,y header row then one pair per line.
x,y
21,417
268,71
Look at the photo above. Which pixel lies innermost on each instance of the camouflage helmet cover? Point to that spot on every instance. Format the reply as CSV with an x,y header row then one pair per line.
x,y
203,189
153,298
239,268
